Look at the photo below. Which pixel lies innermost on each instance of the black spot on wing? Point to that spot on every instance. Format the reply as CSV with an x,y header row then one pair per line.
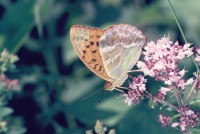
x,y
98,36
92,61
99,68
94,51
95,66
84,51
97,43
92,43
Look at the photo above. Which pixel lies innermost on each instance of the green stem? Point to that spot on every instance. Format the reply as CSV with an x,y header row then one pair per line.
x,y
173,12
181,30
191,91
177,97
166,103
197,67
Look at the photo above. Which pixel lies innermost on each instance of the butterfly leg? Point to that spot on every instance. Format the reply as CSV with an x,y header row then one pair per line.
x,y
132,71
120,89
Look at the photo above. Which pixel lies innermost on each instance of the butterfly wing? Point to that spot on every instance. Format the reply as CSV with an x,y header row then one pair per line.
x,y
85,41
120,47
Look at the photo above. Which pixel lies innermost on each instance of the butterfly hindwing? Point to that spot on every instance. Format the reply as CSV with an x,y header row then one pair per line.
x,y
85,41
120,47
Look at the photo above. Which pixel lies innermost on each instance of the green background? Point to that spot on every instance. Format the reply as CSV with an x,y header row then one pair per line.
x,y
52,78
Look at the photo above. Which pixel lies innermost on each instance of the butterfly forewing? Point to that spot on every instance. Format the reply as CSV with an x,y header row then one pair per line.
x,y
120,47
85,41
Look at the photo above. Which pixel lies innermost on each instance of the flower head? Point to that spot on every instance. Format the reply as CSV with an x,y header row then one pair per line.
x,y
6,83
161,61
165,120
136,90
7,61
188,118
197,54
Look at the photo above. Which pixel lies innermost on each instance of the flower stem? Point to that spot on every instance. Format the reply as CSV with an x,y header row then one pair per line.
x,y
166,103
197,67
181,30
187,131
177,22
177,97
191,91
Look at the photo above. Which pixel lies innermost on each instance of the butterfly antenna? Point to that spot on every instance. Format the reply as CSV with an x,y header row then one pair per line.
x,y
90,95
101,96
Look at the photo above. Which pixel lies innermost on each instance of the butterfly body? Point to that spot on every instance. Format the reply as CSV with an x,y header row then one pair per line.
x,y
109,53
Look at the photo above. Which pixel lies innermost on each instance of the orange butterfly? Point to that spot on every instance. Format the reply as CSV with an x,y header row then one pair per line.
x,y
109,53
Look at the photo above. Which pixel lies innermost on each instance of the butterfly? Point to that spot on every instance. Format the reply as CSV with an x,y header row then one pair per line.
x,y
109,53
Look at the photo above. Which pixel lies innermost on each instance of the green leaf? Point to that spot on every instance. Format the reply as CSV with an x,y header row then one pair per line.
x,y
17,131
5,111
41,11
152,104
142,120
188,17
195,131
16,25
175,116
195,105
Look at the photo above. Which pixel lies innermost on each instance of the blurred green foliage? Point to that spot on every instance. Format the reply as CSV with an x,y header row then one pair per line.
x,y
53,79
8,124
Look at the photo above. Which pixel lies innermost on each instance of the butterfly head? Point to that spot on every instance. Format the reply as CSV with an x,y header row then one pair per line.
x,y
108,86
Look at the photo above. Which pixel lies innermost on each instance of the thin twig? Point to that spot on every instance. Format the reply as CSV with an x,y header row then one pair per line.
x,y
197,67
166,103
162,101
177,97
173,12
178,129
191,91
181,30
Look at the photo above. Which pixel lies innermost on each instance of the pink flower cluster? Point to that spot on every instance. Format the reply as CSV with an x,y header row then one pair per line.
x,y
8,84
188,118
165,120
161,61
136,90
197,54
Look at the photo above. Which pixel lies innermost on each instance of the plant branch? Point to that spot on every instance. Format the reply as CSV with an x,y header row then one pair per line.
x,y
166,103
173,12
177,97
197,67
191,91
